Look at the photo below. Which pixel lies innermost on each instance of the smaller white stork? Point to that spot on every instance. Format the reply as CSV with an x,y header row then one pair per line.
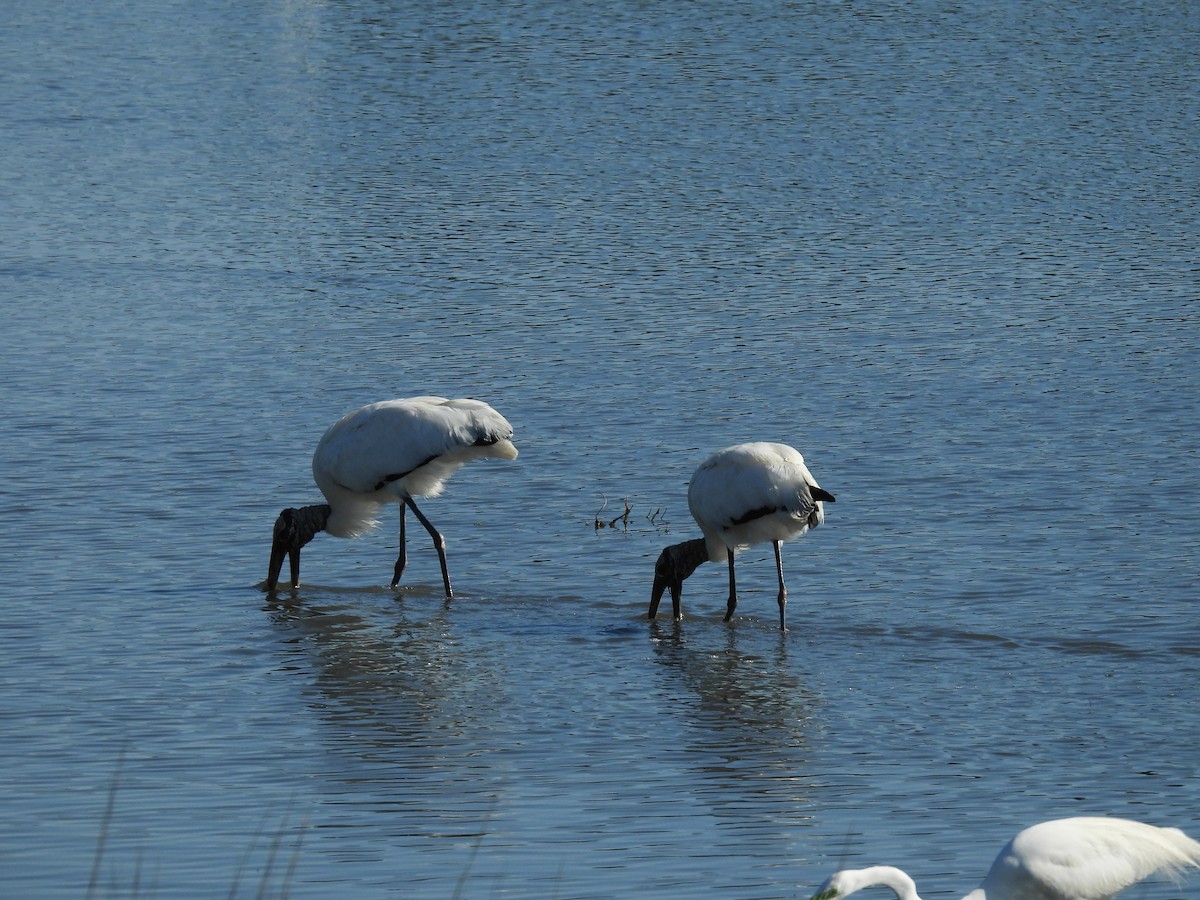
x,y
388,452
743,495
1084,858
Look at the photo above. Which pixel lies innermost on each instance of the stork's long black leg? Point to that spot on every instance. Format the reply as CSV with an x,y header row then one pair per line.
x,y
782,587
439,542
402,559
732,605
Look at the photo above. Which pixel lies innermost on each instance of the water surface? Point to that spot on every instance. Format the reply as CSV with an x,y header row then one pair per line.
x,y
949,252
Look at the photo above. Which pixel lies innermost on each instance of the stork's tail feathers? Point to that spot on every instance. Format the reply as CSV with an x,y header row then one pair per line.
x,y
1181,851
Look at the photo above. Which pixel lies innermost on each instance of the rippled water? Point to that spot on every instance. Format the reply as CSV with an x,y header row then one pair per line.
x,y
947,251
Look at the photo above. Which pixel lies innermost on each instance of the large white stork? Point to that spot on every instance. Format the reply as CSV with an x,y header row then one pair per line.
x,y
743,495
384,453
1084,858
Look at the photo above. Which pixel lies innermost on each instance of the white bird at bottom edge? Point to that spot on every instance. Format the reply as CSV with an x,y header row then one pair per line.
x,y
1083,858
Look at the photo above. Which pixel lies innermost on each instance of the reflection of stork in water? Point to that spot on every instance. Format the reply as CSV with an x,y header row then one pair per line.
x,y
740,496
1087,858
388,452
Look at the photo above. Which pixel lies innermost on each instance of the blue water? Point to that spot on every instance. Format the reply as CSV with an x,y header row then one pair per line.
x,y
949,251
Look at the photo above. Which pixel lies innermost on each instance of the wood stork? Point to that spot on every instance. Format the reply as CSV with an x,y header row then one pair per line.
x,y
1085,858
386,452
743,495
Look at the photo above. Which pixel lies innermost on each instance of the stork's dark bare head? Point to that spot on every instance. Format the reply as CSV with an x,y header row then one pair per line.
x,y
293,529
674,565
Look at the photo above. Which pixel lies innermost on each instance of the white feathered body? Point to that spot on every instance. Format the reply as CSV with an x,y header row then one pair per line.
x,y
397,449
753,493
1085,858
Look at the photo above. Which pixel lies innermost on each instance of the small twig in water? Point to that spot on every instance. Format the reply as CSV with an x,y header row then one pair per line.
x,y
461,883
623,518
105,824
603,507
295,860
658,519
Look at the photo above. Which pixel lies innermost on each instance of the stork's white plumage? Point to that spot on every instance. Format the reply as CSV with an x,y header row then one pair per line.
x,y
1083,858
388,452
744,495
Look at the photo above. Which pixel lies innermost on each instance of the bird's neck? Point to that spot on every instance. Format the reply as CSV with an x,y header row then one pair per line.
x,y
851,881
309,520
896,879
685,558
